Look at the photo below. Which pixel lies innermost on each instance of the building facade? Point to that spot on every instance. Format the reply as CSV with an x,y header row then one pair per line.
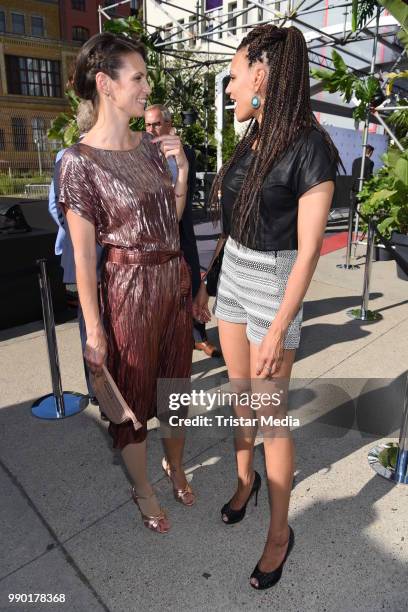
x,y
79,19
223,21
34,67
39,40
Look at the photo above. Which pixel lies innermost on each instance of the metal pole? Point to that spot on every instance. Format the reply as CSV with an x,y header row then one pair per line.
x,y
100,17
348,265
399,475
219,113
350,234
387,129
367,269
58,404
206,99
37,144
402,459
49,325
367,120
363,314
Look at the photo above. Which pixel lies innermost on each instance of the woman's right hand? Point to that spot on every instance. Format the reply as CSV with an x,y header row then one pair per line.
x,y
200,305
96,350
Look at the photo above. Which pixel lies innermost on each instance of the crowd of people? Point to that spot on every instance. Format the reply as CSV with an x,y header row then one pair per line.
x,y
123,200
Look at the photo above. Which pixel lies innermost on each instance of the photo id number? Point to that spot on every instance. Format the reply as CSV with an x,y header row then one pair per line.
x,y
36,598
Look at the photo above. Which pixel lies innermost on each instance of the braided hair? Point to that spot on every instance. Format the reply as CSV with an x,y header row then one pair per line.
x,y
287,113
102,53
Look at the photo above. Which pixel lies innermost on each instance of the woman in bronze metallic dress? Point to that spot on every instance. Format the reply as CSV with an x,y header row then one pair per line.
x,y
116,189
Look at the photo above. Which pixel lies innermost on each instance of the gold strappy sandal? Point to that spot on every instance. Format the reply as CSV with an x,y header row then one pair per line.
x,y
151,521
184,496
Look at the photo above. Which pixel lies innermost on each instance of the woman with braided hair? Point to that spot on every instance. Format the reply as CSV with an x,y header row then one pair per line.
x,y
275,193
115,187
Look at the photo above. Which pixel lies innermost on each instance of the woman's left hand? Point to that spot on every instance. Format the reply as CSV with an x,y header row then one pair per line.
x,y
171,146
200,305
270,353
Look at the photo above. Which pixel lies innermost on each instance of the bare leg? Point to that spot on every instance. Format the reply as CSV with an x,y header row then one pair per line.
x,y
134,457
173,448
279,458
235,349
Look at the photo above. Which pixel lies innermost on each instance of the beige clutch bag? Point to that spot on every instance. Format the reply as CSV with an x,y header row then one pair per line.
x,y
110,399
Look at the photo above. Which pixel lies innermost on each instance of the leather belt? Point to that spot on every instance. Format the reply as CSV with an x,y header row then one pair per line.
x,y
130,256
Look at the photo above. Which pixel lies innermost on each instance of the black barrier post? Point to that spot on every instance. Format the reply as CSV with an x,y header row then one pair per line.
x,y
348,265
363,314
58,404
399,474
401,468
50,335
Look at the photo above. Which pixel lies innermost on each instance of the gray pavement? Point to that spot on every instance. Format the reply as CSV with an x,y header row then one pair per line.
x,y
68,525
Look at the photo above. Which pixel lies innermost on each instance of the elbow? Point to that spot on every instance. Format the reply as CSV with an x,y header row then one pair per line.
x,y
311,254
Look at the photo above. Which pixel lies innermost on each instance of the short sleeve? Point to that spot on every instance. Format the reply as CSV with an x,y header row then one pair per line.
x,y
75,187
314,164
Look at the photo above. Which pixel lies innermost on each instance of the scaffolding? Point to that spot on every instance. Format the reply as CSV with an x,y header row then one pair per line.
x,y
220,32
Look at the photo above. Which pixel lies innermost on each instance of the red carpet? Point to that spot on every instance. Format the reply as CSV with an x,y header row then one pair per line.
x,y
333,243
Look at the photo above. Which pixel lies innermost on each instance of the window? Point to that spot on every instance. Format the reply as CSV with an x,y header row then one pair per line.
x,y
17,23
78,5
191,29
2,140
245,16
39,133
33,77
232,19
167,30
112,11
19,129
37,26
2,21
210,35
180,33
80,34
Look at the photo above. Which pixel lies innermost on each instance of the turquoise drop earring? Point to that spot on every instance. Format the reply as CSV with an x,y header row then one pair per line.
x,y
256,101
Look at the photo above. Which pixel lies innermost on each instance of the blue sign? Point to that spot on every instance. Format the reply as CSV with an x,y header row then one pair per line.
x,y
212,4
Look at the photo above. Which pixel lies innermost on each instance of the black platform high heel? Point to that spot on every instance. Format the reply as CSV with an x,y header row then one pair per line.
x,y
266,580
234,516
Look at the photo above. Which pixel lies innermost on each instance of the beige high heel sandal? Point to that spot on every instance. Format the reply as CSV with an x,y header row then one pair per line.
x,y
151,521
185,496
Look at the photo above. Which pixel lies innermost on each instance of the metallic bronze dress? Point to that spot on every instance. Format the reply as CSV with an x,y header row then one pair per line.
x,y
145,284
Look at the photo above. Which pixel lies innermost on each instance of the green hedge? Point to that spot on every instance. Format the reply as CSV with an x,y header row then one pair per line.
x,y
15,186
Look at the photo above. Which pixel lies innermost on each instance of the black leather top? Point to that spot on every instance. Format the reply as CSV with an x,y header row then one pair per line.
x,y
305,164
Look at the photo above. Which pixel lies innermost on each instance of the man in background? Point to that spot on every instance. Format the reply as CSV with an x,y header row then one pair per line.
x,y
158,121
368,168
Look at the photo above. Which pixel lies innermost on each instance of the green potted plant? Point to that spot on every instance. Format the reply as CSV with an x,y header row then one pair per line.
x,y
385,198
377,207
400,212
